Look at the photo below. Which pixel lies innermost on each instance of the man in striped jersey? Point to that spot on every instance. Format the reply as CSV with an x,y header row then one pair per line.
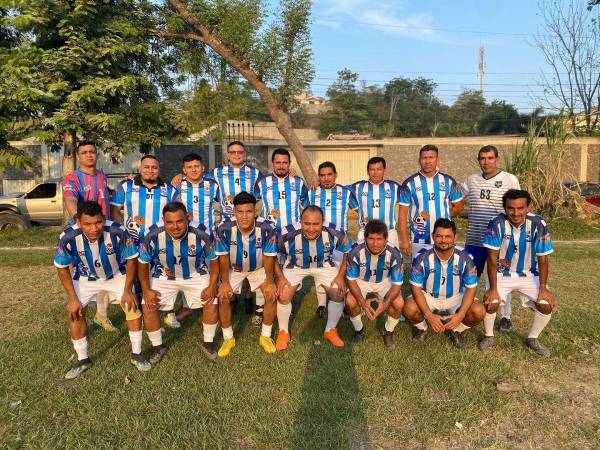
x,y
484,191
426,196
137,203
247,250
282,194
103,256
308,249
197,192
443,282
374,267
334,200
377,199
175,256
518,244
88,183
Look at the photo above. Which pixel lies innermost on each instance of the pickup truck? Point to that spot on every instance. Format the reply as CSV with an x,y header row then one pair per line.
x,y
42,205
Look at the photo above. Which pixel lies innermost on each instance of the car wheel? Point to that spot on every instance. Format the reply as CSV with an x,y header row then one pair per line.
x,y
12,221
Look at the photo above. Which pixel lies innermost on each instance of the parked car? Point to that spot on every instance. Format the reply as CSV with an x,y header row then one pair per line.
x,y
42,205
589,191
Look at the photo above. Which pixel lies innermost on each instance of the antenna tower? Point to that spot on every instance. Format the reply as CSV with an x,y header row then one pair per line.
x,y
481,68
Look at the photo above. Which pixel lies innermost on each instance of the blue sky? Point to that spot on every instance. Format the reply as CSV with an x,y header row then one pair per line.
x,y
381,40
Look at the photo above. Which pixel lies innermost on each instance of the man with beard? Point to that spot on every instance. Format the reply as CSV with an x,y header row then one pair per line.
x,y
374,267
443,282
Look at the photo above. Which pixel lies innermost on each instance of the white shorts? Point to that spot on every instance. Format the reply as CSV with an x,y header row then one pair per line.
x,y
192,289
322,275
392,237
255,279
448,304
528,287
371,287
87,290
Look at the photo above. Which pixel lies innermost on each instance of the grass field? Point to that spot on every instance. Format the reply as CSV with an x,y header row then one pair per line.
x,y
312,396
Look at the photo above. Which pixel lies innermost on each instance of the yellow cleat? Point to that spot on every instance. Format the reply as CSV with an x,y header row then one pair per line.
x,y
267,344
226,347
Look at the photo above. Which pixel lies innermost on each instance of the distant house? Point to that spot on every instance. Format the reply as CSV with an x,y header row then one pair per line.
x,y
308,99
580,122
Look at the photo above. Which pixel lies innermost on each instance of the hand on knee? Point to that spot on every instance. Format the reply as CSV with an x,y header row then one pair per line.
x,y
545,308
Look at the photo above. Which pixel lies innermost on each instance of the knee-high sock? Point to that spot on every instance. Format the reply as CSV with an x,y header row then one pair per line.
x,y
507,307
260,300
421,326
461,327
334,313
136,341
357,322
321,296
488,323
81,348
155,337
539,323
209,331
390,324
283,316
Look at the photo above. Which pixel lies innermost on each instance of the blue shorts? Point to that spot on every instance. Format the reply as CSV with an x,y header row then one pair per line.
x,y
479,255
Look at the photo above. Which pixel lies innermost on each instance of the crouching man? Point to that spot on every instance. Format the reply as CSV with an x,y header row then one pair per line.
x,y
443,282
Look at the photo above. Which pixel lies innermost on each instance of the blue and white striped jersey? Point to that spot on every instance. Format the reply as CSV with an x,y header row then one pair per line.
x,y
520,246
281,198
246,252
309,253
142,207
377,201
375,268
429,199
335,203
100,260
198,199
231,182
177,259
443,279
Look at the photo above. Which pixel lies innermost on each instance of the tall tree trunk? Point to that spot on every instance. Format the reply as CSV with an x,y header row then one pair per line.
x,y
279,115
68,163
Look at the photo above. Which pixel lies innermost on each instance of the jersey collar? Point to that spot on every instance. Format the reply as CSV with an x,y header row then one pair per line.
x,y
137,180
425,176
445,260
187,230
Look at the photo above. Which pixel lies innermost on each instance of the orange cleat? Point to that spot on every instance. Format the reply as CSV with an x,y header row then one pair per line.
x,y
332,337
283,340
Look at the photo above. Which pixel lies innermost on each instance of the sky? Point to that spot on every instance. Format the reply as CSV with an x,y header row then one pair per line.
x,y
440,40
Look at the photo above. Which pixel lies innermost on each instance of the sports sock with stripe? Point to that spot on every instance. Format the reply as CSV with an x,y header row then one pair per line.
x,y
283,316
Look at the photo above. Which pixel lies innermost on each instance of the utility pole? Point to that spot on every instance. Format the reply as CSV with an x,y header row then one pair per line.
x,y
481,68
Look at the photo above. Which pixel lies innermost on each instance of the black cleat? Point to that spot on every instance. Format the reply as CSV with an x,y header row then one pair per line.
x,y
418,336
535,345
320,312
157,354
486,343
388,338
505,325
358,338
79,368
209,350
458,339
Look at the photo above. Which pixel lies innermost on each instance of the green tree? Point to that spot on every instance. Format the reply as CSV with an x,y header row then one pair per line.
x,y
502,118
86,68
270,49
467,112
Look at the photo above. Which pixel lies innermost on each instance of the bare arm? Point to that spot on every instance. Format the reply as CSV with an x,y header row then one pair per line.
x,y
434,320
116,213
403,226
456,208
70,204
74,308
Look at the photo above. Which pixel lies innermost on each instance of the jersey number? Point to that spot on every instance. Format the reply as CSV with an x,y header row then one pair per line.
x,y
196,199
177,260
149,195
328,202
443,280
237,181
245,254
375,203
485,194
281,195
97,263
431,196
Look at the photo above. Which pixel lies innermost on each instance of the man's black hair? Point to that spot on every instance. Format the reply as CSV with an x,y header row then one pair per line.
x,y
173,207
89,209
326,164
244,198
487,149
429,148
280,151
376,160
445,223
375,226
513,194
192,157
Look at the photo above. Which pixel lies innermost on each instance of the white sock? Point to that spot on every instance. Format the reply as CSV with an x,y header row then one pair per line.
x,y
390,324
228,332
136,341
283,316
155,337
102,304
81,347
488,323
507,307
421,326
260,299
539,323
357,322
209,331
461,327
321,296
266,330
334,313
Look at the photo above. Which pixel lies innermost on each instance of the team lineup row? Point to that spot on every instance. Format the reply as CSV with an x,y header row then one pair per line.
x,y
302,232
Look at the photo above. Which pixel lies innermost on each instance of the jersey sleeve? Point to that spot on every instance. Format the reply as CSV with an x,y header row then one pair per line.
x,y
209,248
542,244
404,194
303,195
352,201
118,197
456,194
62,258
396,273
469,275
353,267
222,241
69,187
146,250
129,248
417,274
269,245
491,237
217,197
256,189
175,193
344,243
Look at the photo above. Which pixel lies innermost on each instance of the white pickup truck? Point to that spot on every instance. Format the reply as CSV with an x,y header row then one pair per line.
x,y
42,205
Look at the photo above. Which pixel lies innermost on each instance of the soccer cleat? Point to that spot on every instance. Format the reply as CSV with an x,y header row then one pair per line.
x,y
283,340
226,347
140,362
157,354
358,338
208,348
418,336
458,339
79,368
257,318
486,343
183,313
171,321
104,322
320,312
388,339
267,344
505,325
534,344
333,338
